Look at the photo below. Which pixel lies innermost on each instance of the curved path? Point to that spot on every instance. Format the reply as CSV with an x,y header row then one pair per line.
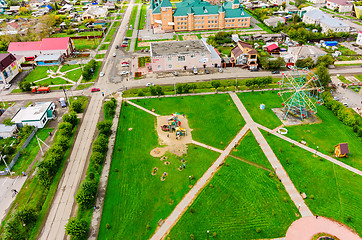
x,y
305,228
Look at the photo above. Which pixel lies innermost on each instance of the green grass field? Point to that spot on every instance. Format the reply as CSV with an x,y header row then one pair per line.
x,y
214,119
136,200
104,46
249,149
332,191
110,35
143,15
39,72
69,67
99,56
328,134
86,44
264,117
240,200
132,19
83,86
29,153
52,81
74,75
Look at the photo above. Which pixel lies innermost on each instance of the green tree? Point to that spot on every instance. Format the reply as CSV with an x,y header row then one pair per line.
x,y
13,230
86,194
193,87
159,90
110,107
323,75
70,118
215,84
100,144
8,122
25,86
97,158
104,127
77,229
179,88
77,106
27,215
305,63
325,60
65,128
153,91
186,88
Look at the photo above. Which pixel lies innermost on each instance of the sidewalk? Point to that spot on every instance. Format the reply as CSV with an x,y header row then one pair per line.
x,y
277,166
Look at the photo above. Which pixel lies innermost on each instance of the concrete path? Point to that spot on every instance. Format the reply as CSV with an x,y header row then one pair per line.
x,y
62,205
339,163
277,166
305,228
207,146
194,192
97,214
144,109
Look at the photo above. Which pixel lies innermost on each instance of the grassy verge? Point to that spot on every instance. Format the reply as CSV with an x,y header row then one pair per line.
x,y
129,45
331,191
142,18
74,75
264,27
110,35
148,198
83,86
68,67
133,16
104,46
52,81
208,116
39,72
99,56
230,210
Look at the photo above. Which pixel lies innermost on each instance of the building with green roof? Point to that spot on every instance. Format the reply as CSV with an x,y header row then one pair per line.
x,y
196,15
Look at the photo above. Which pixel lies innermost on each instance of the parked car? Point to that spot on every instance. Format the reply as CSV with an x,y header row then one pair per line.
x,y
345,104
220,70
125,42
7,86
101,74
207,71
275,72
254,70
125,65
63,103
95,90
336,98
124,72
175,73
114,54
126,39
125,62
195,71
124,45
150,84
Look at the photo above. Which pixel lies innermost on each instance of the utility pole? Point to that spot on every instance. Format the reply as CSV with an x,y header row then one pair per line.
x,y
7,167
66,97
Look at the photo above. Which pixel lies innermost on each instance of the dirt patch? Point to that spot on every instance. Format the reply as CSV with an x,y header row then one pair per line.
x,y
158,152
293,120
174,145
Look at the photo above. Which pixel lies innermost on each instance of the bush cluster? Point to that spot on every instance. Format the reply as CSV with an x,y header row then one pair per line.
x,y
89,69
110,107
259,81
344,114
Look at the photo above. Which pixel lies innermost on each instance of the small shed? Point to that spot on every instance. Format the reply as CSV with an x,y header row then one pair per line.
x,y
341,150
273,48
7,131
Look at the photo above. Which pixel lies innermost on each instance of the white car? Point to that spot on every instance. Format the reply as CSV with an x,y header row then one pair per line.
x,y
150,84
124,72
101,74
7,86
114,54
125,65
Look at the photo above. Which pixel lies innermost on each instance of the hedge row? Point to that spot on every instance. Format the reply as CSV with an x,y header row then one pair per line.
x,y
344,114
86,196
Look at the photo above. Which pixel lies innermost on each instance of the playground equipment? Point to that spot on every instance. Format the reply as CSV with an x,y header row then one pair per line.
x,y
173,122
301,92
180,132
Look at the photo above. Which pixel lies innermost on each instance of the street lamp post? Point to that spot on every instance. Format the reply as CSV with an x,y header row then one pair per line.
x,y
190,180
208,232
7,167
174,84
236,84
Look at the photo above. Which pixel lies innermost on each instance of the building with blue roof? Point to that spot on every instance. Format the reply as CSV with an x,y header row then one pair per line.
x,y
196,15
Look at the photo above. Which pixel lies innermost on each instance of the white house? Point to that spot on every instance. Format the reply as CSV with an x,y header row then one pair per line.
x,y
95,12
318,1
273,21
341,5
302,52
37,115
7,131
359,38
327,23
9,68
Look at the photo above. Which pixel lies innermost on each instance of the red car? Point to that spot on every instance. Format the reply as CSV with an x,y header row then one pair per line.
x,y
95,90
125,62
124,45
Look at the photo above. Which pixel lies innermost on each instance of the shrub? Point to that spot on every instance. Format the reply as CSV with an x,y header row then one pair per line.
x,y
97,158
159,90
65,128
359,133
140,93
192,237
100,144
214,235
86,194
77,106
110,107
258,230
25,86
27,215
70,118
8,122
77,229
105,127
108,226
63,141
153,91
91,175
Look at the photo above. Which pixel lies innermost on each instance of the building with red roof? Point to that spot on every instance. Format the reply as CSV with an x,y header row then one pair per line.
x,y
47,46
273,49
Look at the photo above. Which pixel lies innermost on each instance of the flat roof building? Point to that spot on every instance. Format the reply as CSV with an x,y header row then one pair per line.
x,y
37,115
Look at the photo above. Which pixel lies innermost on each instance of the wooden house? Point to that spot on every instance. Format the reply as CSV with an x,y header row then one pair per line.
x,y
341,150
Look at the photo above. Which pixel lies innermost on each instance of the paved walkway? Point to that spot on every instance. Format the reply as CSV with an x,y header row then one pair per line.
x,y
193,193
339,163
97,214
207,146
144,109
305,228
279,170
64,199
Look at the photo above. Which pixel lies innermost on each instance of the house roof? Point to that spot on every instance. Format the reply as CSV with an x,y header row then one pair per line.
x,y
340,2
274,20
175,48
235,13
44,44
6,59
14,25
320,16
52,57
237,51
7,129
32,113
306,50
272,47
165,3
344,148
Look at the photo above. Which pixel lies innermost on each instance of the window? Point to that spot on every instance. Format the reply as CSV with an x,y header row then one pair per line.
x,y
208,21
181,58
170,66
159,66
192,56
169,58
44,119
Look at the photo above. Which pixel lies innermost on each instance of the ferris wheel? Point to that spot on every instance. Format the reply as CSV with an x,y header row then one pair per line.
x,y
301,92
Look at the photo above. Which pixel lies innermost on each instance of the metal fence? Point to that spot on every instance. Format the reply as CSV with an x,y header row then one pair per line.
x,y
11,165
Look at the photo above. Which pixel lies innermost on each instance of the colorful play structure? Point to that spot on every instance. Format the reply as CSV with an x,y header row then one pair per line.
x,y
174,125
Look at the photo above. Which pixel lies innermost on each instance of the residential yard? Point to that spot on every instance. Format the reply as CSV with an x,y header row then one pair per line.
x,y
93,33
214,119
331,191
225,50
74,75
40,72
240,202
264,117
249,150
29,153
148,198
86,44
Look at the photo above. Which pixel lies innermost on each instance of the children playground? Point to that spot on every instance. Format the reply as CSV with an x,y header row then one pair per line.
x,y
193,165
